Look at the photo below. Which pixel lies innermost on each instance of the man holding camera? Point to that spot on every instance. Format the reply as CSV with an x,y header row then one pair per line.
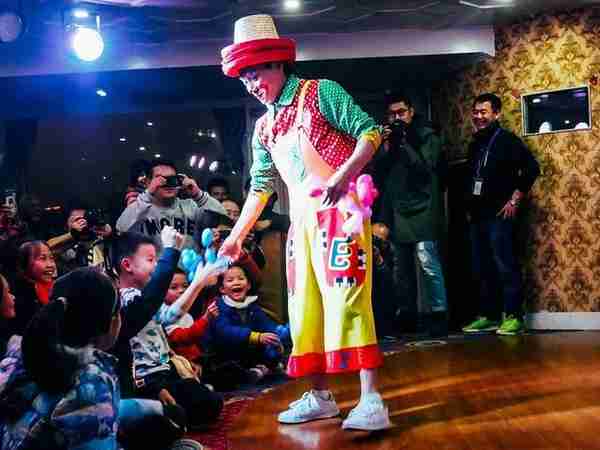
x,y
83,245
411,171
160,204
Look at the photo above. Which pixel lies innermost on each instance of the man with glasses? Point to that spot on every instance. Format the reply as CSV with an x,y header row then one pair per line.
x,y
315,137
413,168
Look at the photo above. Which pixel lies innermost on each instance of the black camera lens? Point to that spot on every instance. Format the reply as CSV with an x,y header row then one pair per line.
x,y
95,218
173,181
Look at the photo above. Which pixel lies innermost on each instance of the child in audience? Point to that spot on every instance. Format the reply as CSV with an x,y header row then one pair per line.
x,y
58,387
185,334
221,226
36,271
154,371
243,332
145,420
7,313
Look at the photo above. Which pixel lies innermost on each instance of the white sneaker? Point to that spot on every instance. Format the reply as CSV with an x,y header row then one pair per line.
x,y
310,407
369,415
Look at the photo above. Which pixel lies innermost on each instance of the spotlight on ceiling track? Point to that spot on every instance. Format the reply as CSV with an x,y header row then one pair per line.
x,y
12,25
291,5
83,36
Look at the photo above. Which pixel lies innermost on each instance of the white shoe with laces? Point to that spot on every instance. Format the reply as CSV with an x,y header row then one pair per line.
x,y
311,406
369,415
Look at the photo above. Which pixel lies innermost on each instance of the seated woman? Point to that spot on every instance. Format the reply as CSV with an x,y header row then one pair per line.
x,y
36,271
7,313
58,387
243,332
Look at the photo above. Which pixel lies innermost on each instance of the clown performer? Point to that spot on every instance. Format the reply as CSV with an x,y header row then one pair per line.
x,y
315,136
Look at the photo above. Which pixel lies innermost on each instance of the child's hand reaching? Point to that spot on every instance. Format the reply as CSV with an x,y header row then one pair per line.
x,y
209,272
269,339
171,238
212,312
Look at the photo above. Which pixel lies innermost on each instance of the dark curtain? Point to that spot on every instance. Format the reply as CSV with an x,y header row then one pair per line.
x,y
20,138
231,123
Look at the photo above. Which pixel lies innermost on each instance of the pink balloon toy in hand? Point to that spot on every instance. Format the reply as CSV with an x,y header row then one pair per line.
x,y
356,203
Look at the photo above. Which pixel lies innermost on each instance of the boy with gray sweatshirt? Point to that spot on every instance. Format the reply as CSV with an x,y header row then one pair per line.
x,y
159,205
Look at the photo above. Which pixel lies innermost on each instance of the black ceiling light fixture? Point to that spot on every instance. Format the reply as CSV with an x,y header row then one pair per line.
x,y
12,23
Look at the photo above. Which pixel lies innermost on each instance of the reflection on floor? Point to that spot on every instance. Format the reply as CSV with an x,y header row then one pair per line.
x,y
537,391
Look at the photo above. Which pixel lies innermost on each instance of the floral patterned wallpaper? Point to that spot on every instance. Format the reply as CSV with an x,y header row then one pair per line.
x,y
562,255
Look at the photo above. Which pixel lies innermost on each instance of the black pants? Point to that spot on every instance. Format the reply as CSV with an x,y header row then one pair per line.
x,y
201,405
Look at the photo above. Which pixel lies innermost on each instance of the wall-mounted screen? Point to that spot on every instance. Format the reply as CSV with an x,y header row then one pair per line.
x,y
556,111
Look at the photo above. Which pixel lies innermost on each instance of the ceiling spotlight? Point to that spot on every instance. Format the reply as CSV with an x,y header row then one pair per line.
x,y
81,14
157,155
83,35
214,166
87,44
291,5
101,93
193,159
213,135
105,178
142,148
201,162
567,122
150,124
200,133
123,139
11,26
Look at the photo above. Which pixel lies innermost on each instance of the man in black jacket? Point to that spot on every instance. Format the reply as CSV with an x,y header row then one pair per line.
x,y
503,170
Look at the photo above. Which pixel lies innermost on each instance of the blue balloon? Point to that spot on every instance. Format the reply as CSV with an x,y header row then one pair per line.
x,y
188,256
210,255
190,276
207,237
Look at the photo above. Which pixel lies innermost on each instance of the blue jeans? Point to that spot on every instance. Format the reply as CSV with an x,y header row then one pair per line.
x,y
430,268
495,267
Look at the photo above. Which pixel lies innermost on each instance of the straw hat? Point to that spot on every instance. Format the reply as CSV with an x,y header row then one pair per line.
x,y
255,41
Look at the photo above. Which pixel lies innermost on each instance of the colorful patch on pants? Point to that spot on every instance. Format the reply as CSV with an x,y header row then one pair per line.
x,y
345,261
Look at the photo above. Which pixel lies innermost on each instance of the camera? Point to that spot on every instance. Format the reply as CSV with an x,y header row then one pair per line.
x,y
398,134
173,181
95,218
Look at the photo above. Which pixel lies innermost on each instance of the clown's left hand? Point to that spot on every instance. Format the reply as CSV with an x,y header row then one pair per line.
x,y
336,188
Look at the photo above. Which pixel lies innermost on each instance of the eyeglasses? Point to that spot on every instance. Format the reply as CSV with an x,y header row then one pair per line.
x,y
392,114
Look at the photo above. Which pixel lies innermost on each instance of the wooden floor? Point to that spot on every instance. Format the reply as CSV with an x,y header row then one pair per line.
x,y
510,392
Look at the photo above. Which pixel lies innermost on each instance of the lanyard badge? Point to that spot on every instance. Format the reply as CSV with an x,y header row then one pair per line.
x,y
478,179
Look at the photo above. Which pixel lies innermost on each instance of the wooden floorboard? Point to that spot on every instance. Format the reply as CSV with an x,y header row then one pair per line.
x,y
510,392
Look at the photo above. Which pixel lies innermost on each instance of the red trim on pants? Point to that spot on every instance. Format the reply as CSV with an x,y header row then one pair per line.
x,y
337,361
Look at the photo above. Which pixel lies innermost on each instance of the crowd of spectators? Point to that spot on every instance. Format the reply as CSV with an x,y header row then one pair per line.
x,y
103,313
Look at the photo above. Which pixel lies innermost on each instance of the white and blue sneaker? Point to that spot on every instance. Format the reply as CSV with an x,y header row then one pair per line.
x,y
311,406
369,415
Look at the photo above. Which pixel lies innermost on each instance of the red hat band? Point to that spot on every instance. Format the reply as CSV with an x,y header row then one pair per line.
x,y
239,56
